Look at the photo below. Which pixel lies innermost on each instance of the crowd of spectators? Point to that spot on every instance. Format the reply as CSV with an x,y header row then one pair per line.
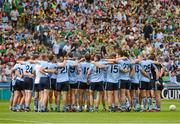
x,y
95,26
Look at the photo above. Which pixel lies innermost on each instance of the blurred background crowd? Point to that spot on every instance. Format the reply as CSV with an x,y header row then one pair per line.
x,y
96,26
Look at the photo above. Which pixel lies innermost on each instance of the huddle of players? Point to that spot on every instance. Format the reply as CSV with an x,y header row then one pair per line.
x,y
119,81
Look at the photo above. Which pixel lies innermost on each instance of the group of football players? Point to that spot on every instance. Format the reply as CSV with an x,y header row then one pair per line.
x,y
119,82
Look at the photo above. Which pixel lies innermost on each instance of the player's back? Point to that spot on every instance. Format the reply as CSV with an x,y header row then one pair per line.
x,y
97,74
53,66
63,72
124,64
136,76
112,73
44,65
20,68
146,66
29,67
83,68
72,72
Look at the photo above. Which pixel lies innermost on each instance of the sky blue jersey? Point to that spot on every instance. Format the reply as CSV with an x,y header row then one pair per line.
x,y
43,64
54,67
104,70
97,74
29,67
146,66
63,75
124,64
136,76
21,69
83,68
72,72
112,73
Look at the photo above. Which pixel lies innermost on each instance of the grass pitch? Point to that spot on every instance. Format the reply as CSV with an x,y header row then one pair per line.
x,y
165,116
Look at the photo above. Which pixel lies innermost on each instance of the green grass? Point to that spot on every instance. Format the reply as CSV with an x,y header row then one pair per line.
x,y
165,116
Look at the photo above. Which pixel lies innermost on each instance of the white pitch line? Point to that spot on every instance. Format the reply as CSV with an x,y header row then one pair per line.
x,y
22,121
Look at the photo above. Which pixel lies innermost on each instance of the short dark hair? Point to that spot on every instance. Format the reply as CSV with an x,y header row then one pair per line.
x,y
88,57
98,57
70,55
50,57
152,57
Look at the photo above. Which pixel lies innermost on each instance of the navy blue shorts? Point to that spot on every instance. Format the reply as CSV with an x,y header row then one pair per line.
x,y
125,84
37,87
96,86
45,83
19,86
152,84
53,84
74,86
62,86
104,85
28,83
112,86
83,86
134,86
144,85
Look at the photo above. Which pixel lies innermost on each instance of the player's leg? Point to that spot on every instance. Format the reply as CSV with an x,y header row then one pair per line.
x,y
36,100
65,101
73,99
81,99
15,100
82,92
26,81
110,100
104,96
58,89
150,95
144,95
116,96
45,99
158,100
72,96
28,99
91,100
128,96
51,99
22,101
29,94
56,99
88,107
70,99
123,95
41,95
133,96
65,88
100,89
159,88
52,92
110,96
45,94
